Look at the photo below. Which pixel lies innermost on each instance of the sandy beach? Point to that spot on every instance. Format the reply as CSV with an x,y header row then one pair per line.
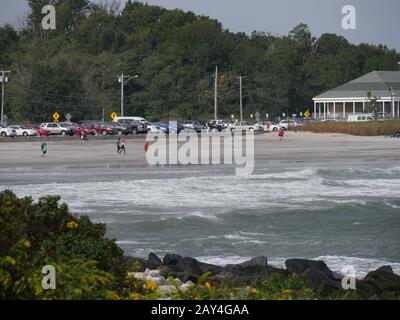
x,y
295,147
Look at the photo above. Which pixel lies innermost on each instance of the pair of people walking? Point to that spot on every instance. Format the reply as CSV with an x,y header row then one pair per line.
x,y
121,146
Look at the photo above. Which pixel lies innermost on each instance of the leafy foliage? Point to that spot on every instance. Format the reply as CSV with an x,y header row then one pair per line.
x,y
33,235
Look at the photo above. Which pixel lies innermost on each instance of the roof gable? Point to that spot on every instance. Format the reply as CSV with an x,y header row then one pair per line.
x,y
376,82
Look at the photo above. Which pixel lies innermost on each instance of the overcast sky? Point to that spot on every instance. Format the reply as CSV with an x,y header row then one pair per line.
x,y
378,21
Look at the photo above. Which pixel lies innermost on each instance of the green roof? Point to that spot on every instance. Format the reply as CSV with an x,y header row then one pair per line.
x,y
376,82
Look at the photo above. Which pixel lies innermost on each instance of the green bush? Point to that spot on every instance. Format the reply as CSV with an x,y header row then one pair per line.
x,y
88,265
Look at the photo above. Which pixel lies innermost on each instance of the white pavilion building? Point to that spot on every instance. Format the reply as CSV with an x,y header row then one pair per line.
x,y
352,97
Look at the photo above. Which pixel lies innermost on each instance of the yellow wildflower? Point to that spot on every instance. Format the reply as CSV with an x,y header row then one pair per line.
x,y
38,291
26,243
253,291
10,261
72,225
110,295
208,286
151,286
135,296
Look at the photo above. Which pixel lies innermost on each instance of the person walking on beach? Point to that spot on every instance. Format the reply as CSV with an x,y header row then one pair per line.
x,y
44,149
122,147
119,145
281,134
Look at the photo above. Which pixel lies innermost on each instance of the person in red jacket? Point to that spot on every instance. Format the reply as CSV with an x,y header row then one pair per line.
x,y
281,134
146,146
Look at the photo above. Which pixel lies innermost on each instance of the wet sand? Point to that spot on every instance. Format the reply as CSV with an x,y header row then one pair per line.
x,y
296,147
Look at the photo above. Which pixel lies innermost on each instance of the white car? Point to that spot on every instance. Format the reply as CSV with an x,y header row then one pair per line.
x,y
7,132
23,131
244,126
271,127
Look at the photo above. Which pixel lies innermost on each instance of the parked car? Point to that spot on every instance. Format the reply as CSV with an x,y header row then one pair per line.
x,y
244,126
23,131
134,126
7,132
361,117
151,127
216,125
270,127
284,124
163,127
57,129
40,131
194,125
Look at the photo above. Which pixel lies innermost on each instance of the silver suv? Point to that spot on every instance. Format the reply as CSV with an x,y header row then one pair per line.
x,y
56,128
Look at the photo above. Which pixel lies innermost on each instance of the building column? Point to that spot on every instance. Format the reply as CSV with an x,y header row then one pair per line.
x,y
363,106
324,110
383,109
334,110
344,110
393,107
319,110
354,107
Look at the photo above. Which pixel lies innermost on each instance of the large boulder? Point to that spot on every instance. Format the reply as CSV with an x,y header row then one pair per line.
x,y
194,267
254,269
380,282
171,259
153,262
300,266
319,281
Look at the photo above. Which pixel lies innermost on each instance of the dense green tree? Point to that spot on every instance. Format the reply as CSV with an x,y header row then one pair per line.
x,y
74,69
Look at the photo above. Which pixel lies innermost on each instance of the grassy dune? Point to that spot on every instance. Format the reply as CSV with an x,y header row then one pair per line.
x,y
378,128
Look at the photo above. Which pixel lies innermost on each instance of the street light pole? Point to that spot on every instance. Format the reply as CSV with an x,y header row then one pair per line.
x,y
121,79
4,79
241,96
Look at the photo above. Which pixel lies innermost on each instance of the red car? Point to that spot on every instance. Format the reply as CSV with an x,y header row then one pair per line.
x,y
78,129
41,132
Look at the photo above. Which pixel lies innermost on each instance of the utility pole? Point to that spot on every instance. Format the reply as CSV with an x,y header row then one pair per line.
x,y
241,96
4,79
216,94
121,79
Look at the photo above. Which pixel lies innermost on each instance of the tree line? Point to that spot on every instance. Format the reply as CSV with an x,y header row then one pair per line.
x,y
74,68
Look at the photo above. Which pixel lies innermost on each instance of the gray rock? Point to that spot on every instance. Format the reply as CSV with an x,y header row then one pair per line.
x,y
153,262
171,259
318,280
191,266
255,262
300,266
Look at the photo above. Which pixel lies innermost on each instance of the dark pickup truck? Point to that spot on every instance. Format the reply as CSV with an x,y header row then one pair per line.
x,y
134,126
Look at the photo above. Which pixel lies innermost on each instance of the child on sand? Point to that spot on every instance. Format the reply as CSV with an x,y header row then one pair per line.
x,y
44,149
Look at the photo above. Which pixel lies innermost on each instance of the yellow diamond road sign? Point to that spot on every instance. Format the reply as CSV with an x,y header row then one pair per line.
x,y
307,114
113,115
56,116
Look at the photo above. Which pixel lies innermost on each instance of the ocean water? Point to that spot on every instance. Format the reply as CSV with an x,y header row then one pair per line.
x,y
344,214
